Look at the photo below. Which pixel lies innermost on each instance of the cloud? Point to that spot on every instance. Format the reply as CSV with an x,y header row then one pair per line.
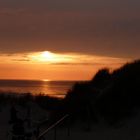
x,y
64,59
110,28
87,64
24,60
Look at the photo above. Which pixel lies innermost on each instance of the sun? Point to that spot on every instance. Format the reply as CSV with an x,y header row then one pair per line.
x,y
47,56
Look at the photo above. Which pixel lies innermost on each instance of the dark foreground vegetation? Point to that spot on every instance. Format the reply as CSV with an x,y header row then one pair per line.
x,y
22,99
111,96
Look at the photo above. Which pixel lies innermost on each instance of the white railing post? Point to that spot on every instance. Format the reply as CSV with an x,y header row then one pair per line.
x,y
53,126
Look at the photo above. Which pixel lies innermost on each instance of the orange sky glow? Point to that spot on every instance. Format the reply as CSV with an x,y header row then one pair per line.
x,y
67,39
48,65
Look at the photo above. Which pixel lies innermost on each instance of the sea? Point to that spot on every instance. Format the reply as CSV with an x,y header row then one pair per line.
x,y
50,88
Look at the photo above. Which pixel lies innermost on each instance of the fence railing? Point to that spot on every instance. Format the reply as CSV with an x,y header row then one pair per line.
x,y
53,126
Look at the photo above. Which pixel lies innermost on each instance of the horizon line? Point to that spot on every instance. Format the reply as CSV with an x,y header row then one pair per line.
x,y
43,80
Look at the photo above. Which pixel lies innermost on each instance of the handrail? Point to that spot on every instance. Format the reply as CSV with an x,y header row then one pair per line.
x,y
52,126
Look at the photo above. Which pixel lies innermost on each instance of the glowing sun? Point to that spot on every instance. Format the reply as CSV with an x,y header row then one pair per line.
x,y
50,58
47,56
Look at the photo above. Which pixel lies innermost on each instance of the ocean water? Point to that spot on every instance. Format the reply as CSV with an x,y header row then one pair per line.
x,y
52,88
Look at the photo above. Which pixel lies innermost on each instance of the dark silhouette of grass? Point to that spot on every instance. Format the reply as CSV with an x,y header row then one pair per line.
x,y
113,96
123,93
44,101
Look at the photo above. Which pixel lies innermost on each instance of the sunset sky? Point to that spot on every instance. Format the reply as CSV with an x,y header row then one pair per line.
x,y
66,39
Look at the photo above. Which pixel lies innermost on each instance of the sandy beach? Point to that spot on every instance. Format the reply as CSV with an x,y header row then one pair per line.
x,y
125,130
